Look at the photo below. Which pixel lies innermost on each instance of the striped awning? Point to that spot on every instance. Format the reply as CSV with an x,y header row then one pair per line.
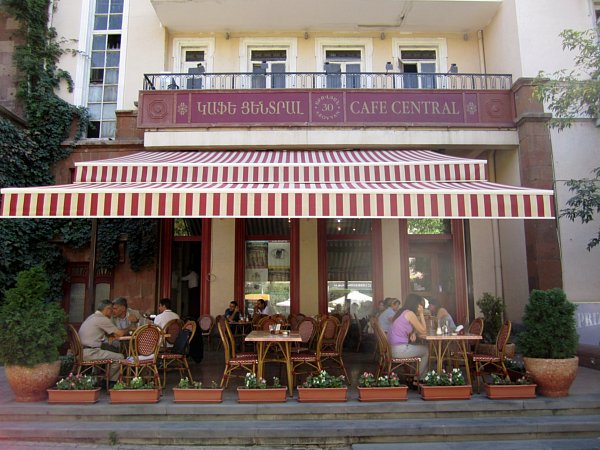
x,y
386,183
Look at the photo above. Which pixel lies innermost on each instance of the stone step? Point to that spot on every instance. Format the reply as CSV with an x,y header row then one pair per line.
x,y
308,432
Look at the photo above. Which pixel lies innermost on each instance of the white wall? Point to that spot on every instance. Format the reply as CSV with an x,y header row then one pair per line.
x,y
309,282
576,153
392,275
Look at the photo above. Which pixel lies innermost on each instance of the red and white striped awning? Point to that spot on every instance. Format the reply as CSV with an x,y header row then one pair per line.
x,y
382,184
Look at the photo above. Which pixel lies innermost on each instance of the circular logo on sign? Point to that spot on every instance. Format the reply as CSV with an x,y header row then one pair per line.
x,y
157,109
327,107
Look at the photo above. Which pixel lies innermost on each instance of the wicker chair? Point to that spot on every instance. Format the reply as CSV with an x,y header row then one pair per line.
x,y
493,363
309,358
178,361
143,354
335,355
245,362
388,364
308,329
206,322
99,367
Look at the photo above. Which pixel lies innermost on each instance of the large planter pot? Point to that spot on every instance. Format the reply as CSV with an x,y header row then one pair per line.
x,y
322,394
134,395
270,395
445,392
553,376
382,394
79,396
197,395
30,383
510,391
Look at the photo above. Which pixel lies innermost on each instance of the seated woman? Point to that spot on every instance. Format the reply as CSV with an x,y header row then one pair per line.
x,y
406,325
442,315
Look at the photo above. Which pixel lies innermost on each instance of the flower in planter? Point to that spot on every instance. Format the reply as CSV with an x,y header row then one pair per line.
x,y
497,379
454,378
367,379
186,383
514,365
324,380
136,383
253,382
76,383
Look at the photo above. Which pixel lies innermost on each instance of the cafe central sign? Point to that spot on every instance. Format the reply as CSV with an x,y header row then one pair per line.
x,y
291,107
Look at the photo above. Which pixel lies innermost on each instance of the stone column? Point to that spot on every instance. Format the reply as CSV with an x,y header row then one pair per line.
x,y
537,171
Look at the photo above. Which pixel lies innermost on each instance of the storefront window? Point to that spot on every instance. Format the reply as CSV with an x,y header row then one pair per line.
x,y
268,260
349,266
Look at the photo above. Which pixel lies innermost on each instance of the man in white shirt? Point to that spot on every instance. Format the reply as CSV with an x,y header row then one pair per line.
x,y
387,316
165,315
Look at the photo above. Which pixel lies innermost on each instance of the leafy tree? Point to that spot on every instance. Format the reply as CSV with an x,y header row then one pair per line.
x,y
572,94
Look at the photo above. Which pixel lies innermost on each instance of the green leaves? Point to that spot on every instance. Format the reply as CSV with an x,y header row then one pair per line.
x,y
550,329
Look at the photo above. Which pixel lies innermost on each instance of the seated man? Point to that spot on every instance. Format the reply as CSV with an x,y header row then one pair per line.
x,y
387,316
442,315
94,330
262,307
123,316
232,314
165,315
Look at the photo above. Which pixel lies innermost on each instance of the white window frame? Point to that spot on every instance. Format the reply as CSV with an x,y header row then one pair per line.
x,y
440,45
206,44
365,45
290,45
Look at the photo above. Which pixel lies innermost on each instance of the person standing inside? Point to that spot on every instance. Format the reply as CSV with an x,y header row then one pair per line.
x,y
95,330
408,323
193,281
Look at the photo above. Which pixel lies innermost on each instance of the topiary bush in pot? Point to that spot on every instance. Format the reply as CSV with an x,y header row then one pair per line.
x,y
493,309
32,328
549,341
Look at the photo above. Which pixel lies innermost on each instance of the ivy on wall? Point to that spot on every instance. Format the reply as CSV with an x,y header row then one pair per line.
x,y
27,157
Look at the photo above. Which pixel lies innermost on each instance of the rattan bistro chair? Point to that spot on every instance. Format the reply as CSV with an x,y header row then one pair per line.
x,y
245,362
206,322
335,355
493,363
178,361
387,363
143,354
99,367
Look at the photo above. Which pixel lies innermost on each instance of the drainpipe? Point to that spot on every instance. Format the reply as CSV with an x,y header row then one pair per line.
x,y
482,65
499,288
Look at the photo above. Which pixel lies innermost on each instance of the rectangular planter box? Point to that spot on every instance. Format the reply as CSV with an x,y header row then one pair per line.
x,y
383,394
322,394
270,395
72,397
197,395
134,395
445,392
510,391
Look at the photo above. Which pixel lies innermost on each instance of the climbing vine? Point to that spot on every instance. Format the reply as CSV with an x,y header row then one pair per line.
x,y
28,156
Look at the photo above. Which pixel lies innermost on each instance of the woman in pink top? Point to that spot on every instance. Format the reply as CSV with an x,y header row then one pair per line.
x,y
407,324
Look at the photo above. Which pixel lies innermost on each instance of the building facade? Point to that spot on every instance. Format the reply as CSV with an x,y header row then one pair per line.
x,y
325,156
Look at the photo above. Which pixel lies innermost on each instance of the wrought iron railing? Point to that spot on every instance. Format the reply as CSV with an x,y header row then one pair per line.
x,y
320,80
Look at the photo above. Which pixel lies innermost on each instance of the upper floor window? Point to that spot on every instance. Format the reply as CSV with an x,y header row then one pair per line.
x,y
193,57
104,68
419,60
343,60
268,60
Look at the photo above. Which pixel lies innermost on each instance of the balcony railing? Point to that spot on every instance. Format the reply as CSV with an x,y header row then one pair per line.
x,y
320,80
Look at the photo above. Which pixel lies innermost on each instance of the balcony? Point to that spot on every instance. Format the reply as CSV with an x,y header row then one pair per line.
x,y
321,80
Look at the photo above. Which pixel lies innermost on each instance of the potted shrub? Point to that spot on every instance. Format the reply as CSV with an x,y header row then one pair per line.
x,y
32,328
445,386
256,390
493,310
502,388
386,388
549,341
323,387
137,391
190,391
74,389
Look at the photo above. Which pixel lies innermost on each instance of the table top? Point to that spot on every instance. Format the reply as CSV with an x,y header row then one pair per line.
x,y
453,337
266,336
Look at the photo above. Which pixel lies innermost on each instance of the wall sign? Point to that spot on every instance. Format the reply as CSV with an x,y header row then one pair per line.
x,y
291,107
